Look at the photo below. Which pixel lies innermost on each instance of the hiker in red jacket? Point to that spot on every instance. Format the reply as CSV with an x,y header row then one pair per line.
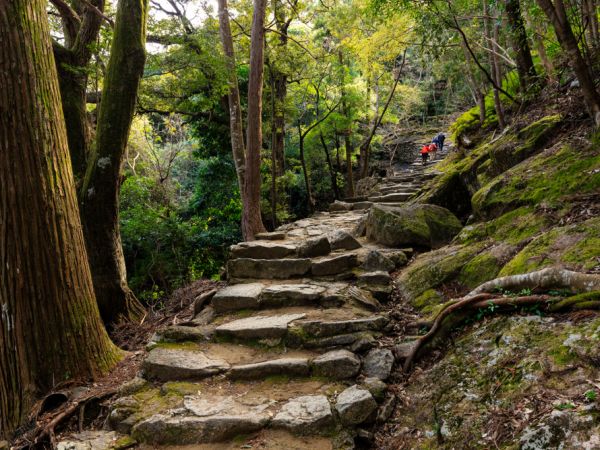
x,y
425,153
433,150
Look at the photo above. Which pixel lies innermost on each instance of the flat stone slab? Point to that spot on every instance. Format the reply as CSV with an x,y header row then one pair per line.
x,y
291,294
258,327
206,421
262,250
284,366
237,296
271,236
392,198
334,265
268,268
355,405
320,328
178,364
378,363
304,415
337,364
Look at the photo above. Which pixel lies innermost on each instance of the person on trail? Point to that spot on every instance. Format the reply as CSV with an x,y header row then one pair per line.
x,y
425,153
432,151
439,141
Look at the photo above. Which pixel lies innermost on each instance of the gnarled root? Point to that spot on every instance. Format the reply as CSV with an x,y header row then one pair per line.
x,y
543,279
587,287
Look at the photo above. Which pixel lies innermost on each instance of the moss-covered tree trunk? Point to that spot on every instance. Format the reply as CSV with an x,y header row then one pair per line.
x,y
520,44
72,61
556,12
233,97
100,192
50,329
251,216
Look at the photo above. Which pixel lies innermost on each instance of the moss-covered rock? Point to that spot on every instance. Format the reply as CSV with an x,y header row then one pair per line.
x,y
576,247
549,178
481,268
414,225
432,269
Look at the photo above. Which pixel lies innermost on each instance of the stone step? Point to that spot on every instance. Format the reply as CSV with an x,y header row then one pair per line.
x,y
271,236
355,199
226,412
391,198
262,250
268,268
258,327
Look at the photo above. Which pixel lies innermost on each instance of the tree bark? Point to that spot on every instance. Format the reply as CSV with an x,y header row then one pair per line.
x,y
72,62
518,38
310,202
558,17
477,92
100,192
233,97
541,48
332,172
50,328
366,145
493,61
251,216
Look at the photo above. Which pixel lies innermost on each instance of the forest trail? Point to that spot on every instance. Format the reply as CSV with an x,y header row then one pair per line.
x,y
291,354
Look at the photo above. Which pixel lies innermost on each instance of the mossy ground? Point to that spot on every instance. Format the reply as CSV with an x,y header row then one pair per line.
x,y
502,380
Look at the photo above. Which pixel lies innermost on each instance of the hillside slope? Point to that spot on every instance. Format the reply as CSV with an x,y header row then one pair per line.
x,y
530,199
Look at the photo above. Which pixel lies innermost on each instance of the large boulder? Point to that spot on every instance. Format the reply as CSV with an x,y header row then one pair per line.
x,y
419,225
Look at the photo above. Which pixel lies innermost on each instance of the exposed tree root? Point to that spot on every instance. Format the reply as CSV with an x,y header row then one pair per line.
x,y
47,424
543,279
586,287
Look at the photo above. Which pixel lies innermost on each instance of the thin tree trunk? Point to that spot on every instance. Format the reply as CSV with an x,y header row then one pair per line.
x,y
273,155
310,202
558,17
541,48
366,145
347,134
332,173
477,93
50,328
251,216
100,195
498,77
233,97
280,86
493,60
518,37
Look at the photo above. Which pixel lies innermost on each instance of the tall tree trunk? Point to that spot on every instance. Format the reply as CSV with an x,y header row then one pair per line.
x,y
310,202
347,133
72,61
493,60
280,86
366,145
100,194
251,217
233,97
498,77
518,38
332,172
538,32
591,10
472,81
50,328
273,154
558,17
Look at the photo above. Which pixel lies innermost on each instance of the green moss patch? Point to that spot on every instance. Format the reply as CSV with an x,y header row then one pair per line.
x,y
575,247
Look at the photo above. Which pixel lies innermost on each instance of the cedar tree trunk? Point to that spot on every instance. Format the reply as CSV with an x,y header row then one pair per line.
x,y
233,97
100,194
251,217
50,328
518,38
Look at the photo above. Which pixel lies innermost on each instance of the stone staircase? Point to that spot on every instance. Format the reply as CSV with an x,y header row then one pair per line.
x,y
288,354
